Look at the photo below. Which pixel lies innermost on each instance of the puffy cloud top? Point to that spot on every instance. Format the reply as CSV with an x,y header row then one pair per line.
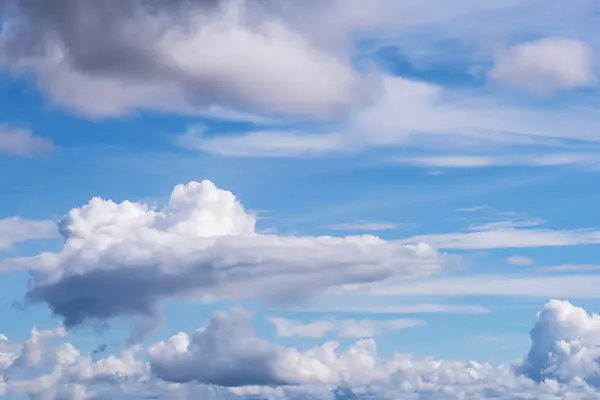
x,y
124,258
197,209
227,353
565,345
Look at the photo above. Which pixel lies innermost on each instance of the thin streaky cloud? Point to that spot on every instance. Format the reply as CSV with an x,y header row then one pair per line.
x,y
354,306
562,286
474,209
571,268
365,226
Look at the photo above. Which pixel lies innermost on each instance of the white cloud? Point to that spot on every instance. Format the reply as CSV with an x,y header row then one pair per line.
x,y
508,238
345,328
187,60
227,352
16,230
524,285
264,144
565,345
516,223
414,114
377,305
22,142
571,268
44,368
562,363
299,63
546,65
525,160
519,260
202,244
474,209
365,226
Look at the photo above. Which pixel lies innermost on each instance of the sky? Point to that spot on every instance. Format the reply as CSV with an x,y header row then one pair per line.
x,y
274,199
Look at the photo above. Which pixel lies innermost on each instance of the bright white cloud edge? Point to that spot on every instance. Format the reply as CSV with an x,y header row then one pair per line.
x,y
202,245
559,364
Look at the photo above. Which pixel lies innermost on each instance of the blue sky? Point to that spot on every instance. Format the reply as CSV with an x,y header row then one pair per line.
x,y
418,174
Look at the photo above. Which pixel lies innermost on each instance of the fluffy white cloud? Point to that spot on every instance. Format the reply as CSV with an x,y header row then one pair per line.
x,y
562,363
546,65
16,230
564,352
345,328
565,345
227,352
45,368
124,258
187,59
22,142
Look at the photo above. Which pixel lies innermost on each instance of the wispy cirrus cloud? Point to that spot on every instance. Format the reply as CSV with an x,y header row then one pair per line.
x,y
522,285
525,160
365,226
16,230
508,238
343,328
519,260
352,304
452,129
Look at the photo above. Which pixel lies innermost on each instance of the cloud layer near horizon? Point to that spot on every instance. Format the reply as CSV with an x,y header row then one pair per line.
x,y
562,363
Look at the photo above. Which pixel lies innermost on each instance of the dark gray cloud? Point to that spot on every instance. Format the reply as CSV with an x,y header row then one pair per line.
x,y
225,353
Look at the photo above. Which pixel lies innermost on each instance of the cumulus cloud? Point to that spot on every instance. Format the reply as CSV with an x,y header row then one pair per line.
x,y
565,345
22,142
16,230
109,58
562,363
44,367
225,353
546,65
122,259
345,328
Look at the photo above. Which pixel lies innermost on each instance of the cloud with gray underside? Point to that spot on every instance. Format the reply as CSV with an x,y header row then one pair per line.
x,y
125,258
